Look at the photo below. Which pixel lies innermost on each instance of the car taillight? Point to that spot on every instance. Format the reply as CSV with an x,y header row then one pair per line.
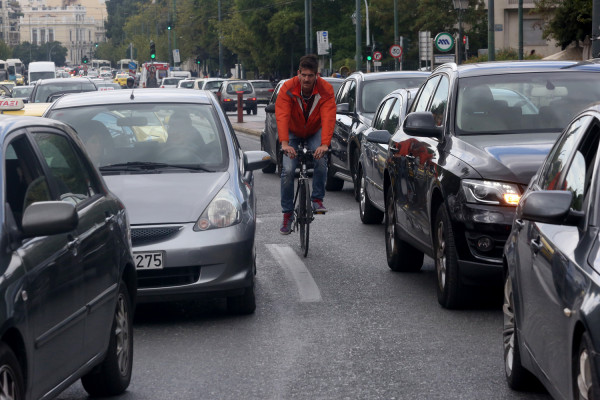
x,y
227,100
252,98
271,90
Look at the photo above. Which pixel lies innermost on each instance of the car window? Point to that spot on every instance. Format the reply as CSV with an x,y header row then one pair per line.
x,y
44,91
374,91
559,155
263,85
24,181
393,119
422,100
235,87
351,96
440,101
178,134
276,92
68,169
381,116
212,85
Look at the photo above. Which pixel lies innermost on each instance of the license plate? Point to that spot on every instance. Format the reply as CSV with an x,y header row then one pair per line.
x,y
150,260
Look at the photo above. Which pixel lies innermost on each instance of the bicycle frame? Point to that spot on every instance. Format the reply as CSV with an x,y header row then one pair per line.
x,y
302,202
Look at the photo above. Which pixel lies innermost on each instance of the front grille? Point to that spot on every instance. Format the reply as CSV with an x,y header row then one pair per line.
x,y
141,236
168,277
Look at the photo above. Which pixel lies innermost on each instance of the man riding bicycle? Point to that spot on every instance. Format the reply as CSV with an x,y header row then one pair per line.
x,y
305,110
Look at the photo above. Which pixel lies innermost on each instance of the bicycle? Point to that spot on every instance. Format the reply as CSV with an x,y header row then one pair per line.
x,y
303,211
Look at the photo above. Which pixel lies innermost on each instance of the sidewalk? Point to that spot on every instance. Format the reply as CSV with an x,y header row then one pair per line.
x,y
250,127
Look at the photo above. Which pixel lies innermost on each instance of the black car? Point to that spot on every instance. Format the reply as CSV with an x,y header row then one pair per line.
x,y
48,90
474,137
68,284
552,270
269,138
357,101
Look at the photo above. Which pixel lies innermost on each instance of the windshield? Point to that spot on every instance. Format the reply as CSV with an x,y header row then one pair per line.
x,y
149,138
43,92
528,102
374,91
21,91
34,76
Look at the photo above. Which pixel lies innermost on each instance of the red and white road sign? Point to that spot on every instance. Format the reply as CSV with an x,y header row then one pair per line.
x,y
377,55
396,51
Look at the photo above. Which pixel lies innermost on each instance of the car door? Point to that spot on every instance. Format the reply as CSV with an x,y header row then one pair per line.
x,y
344,123
53,288
410,154
271,136
555,277
78,184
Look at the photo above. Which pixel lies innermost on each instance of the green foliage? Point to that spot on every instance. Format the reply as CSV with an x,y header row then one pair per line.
x,y
507,54
567,21
5,51
27,52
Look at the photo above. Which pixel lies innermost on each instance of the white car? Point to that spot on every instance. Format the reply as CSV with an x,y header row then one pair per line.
x,y
170,82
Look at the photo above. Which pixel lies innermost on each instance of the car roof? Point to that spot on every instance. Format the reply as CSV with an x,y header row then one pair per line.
x,y
374,76
9,123
508,67
62,80
133,96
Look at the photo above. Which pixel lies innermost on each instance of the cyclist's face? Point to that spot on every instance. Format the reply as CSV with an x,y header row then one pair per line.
x,y
307,79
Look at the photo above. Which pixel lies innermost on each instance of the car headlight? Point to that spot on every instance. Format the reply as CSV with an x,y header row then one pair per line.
x,y
491,192
223,211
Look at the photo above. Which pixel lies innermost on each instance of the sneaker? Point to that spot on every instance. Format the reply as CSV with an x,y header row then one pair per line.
x,y
286,225
318,207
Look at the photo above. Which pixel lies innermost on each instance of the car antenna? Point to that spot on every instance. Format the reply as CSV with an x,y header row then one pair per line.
x,y
131,97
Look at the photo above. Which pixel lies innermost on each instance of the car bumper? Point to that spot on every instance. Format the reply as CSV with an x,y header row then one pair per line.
x,y
214,263
232,105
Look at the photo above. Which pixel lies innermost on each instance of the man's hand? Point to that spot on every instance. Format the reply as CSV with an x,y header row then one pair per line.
x,y
320,151
288,150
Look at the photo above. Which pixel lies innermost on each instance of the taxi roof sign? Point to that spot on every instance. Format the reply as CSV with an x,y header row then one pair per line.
x,y
11,104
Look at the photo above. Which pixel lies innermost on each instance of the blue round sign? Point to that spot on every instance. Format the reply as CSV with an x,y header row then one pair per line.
x,y
444,41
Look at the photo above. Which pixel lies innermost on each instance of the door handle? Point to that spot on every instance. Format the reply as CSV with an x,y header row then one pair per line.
x,y
519,223
536,244
73,243
393,149
109,219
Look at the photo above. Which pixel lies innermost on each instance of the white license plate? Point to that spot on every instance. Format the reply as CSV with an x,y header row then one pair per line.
x,y
149,260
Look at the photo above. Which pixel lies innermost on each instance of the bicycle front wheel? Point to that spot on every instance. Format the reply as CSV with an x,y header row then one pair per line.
x,y
304,216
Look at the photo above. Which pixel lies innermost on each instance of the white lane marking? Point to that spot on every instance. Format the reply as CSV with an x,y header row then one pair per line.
x,y
289,260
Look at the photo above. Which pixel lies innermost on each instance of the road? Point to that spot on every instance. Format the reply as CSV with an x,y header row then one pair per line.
x,y
338,324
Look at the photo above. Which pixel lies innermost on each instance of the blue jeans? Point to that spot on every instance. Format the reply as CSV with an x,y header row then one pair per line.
x,y
289,168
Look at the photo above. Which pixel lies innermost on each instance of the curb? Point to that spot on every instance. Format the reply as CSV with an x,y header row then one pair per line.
x,y
246,130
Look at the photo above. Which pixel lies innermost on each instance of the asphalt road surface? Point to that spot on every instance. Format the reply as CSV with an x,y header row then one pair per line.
x,y
338,324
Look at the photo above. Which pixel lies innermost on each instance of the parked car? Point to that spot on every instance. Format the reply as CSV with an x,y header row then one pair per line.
x,y
228,95
48,90
263,90
462,158
552,270
173,158
68,286
170,82
374,151
269,139
357,101
22,92
211,84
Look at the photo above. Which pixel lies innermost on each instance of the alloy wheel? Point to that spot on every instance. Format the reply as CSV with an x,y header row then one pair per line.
x,y
390,229
8,387
362,195
508,332
122,335
584,378
441,261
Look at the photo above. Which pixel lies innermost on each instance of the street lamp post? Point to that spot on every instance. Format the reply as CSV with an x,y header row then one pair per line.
x,y
460,5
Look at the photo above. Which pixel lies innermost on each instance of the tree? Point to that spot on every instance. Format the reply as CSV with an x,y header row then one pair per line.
x,y
566,21
5,51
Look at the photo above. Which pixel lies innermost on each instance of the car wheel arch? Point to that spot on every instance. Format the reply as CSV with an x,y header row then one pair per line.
x,y
130,279
434,203
13,339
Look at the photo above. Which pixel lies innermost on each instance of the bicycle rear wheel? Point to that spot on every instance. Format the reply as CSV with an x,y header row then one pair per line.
x,y
304,216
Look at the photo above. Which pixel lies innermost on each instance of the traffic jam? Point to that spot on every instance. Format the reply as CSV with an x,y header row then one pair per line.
x,y
135,189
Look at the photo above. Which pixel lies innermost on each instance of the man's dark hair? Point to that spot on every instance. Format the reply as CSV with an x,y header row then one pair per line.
x,y
310,62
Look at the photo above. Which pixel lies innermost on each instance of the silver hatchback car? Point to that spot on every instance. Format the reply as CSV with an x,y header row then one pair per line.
x,y
173,159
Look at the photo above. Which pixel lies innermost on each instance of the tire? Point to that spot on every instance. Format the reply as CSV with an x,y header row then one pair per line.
x,y
585,377
269,169
354,171
112,377
333,184
449,287
517,377
244,304
401,257
12,385
304,215
369,214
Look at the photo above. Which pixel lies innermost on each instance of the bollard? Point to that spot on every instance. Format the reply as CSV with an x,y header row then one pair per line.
x,y
240,106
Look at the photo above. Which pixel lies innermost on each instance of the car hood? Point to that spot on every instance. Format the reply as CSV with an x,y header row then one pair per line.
x,y
166,198
511,157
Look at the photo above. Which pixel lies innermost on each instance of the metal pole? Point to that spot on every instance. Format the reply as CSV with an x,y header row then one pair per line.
x,y
306,29
595,29
310,28
368,40
220,46
358,56
396,31
460,35
491,32
520,29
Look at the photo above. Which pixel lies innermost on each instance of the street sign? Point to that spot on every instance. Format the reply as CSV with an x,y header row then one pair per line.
x,y
396,51
176,57
322,42
377,63
377,56
444,41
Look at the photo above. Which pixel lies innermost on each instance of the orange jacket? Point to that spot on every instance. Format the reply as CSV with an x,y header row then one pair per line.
x,y
290,117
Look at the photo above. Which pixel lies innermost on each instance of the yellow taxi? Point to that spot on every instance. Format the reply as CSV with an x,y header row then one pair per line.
x,y
18,107
121,79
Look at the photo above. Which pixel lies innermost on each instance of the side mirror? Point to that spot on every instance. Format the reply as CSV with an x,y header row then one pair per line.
x,y
550,207
422,124
379,137
343,108
270,108
49,218
256,159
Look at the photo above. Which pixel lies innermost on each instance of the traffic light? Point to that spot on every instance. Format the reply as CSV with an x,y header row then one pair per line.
x,y
169,26
198,60
152,50
96,44
84,59
369,58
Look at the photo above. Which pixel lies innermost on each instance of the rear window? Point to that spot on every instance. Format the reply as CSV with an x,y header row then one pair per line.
x,y
44,92
262,85
235,87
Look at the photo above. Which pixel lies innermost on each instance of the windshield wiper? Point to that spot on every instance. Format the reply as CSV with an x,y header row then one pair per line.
x,y
148,165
